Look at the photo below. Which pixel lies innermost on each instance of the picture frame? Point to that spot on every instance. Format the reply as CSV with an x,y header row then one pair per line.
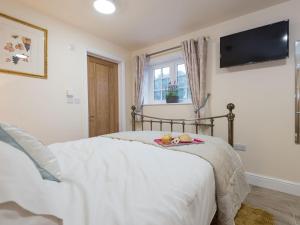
x,y
23,48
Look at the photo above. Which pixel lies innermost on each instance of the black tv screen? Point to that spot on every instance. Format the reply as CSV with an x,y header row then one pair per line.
x,y
265,43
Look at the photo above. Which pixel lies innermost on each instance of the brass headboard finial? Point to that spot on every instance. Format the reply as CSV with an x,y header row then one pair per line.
x,y
230,107
230,115
133,108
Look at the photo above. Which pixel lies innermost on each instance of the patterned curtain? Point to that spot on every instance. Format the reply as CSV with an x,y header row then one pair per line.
x,y
195,57
139,82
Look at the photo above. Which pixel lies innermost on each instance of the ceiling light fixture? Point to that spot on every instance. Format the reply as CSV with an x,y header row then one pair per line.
x,y
105,6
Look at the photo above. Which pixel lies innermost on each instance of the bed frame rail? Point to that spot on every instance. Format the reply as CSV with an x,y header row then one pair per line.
x,y
207,122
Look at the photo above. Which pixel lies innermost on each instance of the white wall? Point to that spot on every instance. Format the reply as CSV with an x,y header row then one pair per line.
x,y
39,106
263,94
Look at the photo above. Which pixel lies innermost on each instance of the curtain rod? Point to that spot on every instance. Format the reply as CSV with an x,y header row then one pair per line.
x,y
162,51
169,49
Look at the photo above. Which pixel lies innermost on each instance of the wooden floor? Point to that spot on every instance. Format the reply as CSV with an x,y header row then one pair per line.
x,y
284,207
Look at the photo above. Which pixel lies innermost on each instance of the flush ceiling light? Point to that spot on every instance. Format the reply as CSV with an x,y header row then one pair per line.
x,y
105,6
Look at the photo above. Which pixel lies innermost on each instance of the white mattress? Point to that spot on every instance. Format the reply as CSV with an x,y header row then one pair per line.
x,y
130,183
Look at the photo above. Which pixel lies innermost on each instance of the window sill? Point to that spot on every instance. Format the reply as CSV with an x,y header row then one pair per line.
x,y
168,104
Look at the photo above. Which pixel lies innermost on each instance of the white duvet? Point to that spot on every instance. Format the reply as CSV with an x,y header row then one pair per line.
x,y
131,183
109,182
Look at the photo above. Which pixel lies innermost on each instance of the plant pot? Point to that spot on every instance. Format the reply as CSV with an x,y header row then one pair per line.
x,y
172,99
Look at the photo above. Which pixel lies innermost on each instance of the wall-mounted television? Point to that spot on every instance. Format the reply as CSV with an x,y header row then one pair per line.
x,y
264,43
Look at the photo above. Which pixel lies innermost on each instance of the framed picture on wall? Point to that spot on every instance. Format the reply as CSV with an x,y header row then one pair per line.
x,y
23,48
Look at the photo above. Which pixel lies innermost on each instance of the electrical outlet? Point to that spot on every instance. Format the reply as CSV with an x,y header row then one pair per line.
x,y
77,100
240,147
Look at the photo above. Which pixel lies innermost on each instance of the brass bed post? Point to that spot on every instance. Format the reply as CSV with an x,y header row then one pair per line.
x,y
230,117
212,127
133,108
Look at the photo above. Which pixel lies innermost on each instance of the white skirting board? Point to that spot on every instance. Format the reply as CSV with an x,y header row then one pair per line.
x,y
276,184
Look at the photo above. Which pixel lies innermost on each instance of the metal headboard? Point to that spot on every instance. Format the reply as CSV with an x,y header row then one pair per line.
x,y
185,122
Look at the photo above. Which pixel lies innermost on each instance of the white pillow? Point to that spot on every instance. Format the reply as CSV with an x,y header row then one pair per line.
x,y
20,182
43,159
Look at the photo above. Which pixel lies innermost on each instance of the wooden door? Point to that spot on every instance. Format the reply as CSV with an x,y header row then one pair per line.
x,y
103,97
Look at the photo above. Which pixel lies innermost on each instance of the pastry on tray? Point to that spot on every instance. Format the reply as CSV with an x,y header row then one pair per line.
x,y
166,139
185,138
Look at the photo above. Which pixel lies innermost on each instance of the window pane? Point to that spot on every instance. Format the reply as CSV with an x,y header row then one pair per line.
x,y
182,92
182,81
157,84
157,74
157,95
183,84
188,93
166,71
165,83
181,70
164,93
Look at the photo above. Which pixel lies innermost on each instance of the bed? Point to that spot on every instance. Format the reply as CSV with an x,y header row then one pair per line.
x,y
125,179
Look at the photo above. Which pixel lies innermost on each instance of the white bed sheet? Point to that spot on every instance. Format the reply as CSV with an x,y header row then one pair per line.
x,y
131,183
21,184
12,214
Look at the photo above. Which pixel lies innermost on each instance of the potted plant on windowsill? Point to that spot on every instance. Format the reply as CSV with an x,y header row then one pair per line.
x,y
172,93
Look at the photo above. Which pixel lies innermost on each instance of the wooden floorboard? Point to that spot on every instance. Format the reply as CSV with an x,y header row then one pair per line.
x,y
284,207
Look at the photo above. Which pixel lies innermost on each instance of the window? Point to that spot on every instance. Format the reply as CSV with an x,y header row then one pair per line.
x,y
160,76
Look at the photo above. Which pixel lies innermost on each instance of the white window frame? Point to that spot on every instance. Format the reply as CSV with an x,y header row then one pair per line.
x,y
173,64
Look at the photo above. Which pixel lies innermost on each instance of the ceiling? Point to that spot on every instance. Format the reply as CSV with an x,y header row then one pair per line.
x,y
140,23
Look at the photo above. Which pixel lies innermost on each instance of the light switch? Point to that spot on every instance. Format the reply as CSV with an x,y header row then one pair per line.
x,y
70,93
70,100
